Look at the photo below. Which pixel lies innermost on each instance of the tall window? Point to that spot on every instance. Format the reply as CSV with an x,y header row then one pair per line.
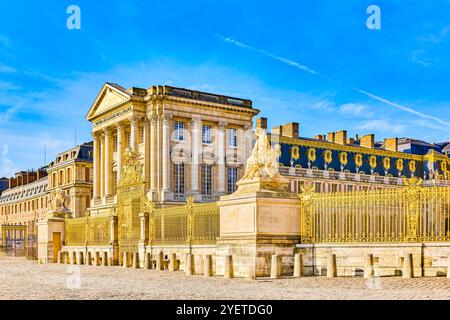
x,y
178,174
206,179
232,179
232,137
179,131
206,134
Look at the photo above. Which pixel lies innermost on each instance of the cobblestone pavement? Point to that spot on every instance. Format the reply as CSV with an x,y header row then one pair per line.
x,y
21,279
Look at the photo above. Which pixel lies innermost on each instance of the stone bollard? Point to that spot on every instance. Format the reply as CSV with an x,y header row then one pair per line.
x,y
369,271
97,259
275,269
88,260
229,272
80,258
173,262
125,260
160,261
189,265
208,266
74,258
136,260
331,266
408,267
60,257
67,257
148,261
105,259
298,265
448,266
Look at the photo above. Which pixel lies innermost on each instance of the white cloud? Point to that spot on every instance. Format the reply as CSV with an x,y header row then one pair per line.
x,y
324,105
7,69
416,58
355,109
382,125
7,166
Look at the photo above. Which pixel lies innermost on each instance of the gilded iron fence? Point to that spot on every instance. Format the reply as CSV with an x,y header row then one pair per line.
x,y
410,214
189,224
94,230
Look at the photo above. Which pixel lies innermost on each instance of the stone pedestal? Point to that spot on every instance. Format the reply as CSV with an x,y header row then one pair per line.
x,y
51,235
260,219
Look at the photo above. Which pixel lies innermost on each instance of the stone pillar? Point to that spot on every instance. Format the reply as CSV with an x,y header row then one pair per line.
x,y
102,166
74,258
298,265
136,260
275,270
160,261
108,162
60,257
88,260
229,271
196,144
173,262
97,259
47,228
368,266
331,266
125,260
166,161
148,261
146,152
144,234
408,267
113,225
221,176
208,266
189,265
105,259
96,160
134,133
67,257
79,258
120,136
153,156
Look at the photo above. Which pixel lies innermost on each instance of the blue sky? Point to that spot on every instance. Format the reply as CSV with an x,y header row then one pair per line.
x,y
313,62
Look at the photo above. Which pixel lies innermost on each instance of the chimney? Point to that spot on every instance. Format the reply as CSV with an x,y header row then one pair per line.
x,y
367,141
391,144
340,137
330,136
261,123
319,137
290,130
350,141
12,183
278,130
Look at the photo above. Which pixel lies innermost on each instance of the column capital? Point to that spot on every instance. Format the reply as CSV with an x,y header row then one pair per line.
x,y
107,131
96,135
222,125
134,119
247,127
153,117
196,120
120,125
166,118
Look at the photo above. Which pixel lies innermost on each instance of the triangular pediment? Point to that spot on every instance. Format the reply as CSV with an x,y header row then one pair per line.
x,y
110,96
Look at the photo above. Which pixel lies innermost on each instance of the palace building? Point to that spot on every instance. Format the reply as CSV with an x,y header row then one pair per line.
x,y
191,142
28,197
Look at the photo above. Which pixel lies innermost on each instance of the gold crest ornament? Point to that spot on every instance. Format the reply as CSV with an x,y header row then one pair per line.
x,y
387,163
295,153
373,162
328,156
399,164
358,159
443,166
311,154
412,166
343,158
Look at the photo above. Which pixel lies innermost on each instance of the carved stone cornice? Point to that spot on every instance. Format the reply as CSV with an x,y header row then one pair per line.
x,y
222,125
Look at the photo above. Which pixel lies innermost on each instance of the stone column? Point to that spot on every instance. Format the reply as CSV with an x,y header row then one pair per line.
x,y
298,265
173,262
331,266
275,270
196,143
166,161
408,267
153,155
102,166
189,265
95,178
108,161
208,266
368,266
134,133
146,155
120,136
221,176
229,271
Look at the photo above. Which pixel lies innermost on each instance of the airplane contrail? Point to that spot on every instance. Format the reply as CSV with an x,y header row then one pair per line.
x,y
313,72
